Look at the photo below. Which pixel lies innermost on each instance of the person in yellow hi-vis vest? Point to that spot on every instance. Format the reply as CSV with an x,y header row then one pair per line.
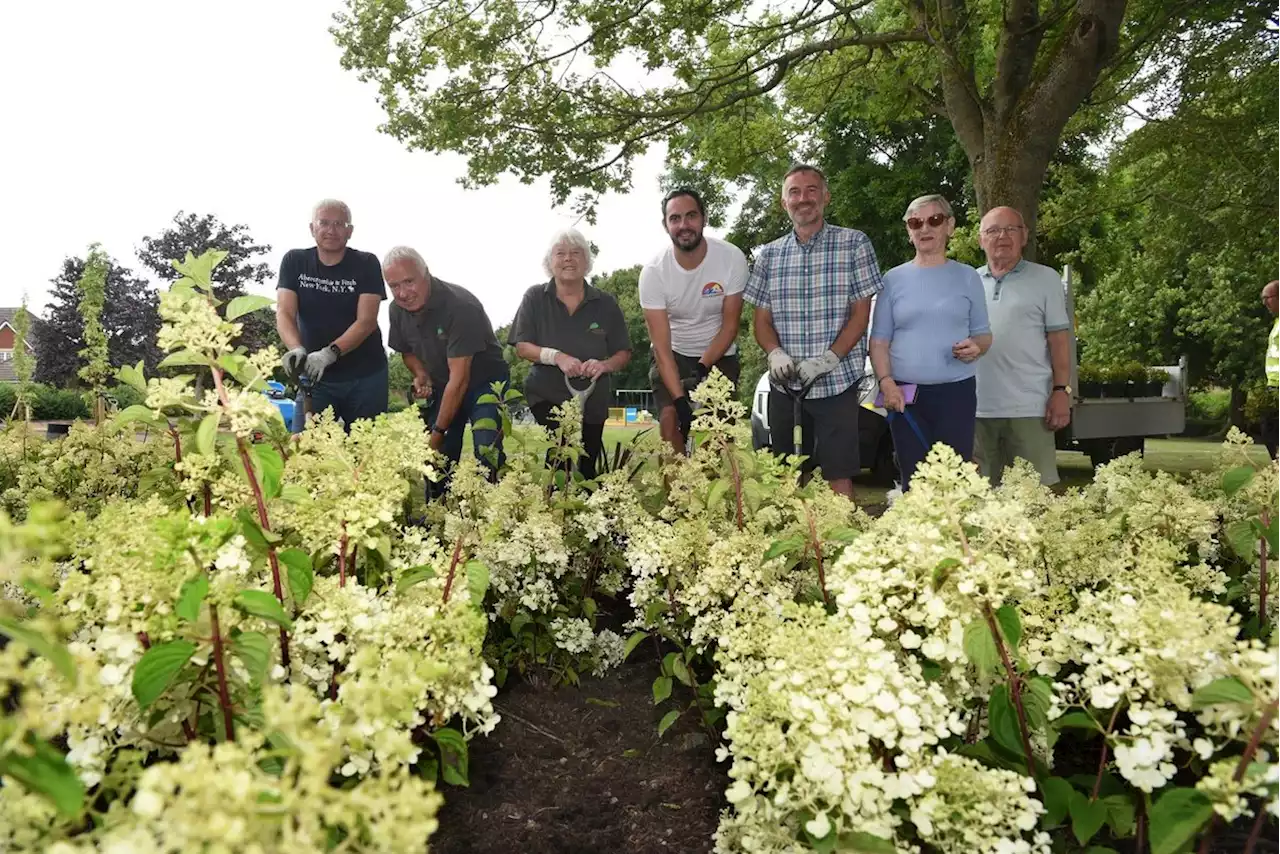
x,y
1270,294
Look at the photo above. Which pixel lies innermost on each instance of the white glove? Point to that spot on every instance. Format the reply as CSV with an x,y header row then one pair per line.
x,y
293,360
317,362
811,369
781,367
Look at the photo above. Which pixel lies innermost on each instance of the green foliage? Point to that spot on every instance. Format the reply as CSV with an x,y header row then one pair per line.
x,y
24,364
97,367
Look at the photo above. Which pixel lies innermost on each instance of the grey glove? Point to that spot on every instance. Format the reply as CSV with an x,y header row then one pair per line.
x,y
292,361
318,361
781,367
811,369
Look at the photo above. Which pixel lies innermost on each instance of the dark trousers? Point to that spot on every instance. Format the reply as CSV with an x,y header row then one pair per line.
x,y
472,411
592,437
359,397
945,413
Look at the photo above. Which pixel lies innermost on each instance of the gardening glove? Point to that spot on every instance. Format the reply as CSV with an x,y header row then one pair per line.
x,y
293,360
811,369
684,415
700,372
318,361
781,367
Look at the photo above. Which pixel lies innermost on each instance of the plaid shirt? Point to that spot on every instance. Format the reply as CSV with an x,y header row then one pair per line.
x,y
808,288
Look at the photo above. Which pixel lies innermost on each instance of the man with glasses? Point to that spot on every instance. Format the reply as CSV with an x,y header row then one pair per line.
x,y
327,315
1023,395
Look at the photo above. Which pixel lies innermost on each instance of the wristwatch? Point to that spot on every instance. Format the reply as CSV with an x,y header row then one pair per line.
x,y
443,431
335,350
1065,388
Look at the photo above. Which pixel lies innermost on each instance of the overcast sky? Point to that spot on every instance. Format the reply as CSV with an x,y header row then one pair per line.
x,y
118,115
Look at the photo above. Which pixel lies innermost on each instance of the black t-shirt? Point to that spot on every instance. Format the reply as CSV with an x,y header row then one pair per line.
x,y
327,300
452,324
596,330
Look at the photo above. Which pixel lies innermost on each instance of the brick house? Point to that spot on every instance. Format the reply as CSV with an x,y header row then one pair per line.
x,y
7,336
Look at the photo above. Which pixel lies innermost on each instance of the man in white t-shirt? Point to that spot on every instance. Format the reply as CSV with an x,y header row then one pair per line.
x,y
691,294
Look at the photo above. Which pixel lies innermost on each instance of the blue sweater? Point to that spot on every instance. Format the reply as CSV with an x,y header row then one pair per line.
x,y
923,312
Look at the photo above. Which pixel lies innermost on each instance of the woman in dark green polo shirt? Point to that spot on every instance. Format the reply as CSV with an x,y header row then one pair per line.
x,y
567,328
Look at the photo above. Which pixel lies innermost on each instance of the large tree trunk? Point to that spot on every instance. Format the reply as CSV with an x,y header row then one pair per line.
x,y
1011,131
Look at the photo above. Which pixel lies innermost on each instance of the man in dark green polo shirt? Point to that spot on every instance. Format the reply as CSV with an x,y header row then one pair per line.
x,y
447,343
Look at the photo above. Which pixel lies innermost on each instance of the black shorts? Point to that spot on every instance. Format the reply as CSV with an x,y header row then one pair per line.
x,y
828,429
728,366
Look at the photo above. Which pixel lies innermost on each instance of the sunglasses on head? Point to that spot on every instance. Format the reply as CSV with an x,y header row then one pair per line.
x,y
915,223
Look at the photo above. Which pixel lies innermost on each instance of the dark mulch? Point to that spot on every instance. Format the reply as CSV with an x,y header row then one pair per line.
x,y
582,770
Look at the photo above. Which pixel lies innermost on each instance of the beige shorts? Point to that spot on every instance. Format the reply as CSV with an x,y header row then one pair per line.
x,y
999,441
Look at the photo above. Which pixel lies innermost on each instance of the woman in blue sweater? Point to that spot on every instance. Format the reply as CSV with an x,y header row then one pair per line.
x,y
929,328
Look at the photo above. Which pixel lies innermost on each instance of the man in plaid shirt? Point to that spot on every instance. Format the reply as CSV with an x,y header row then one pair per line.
x,y
812,293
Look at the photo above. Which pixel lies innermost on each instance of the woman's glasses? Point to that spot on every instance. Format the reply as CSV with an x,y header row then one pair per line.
x,y
915,223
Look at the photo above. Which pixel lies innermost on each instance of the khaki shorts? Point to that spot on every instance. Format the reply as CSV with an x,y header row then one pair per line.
x,y
999,441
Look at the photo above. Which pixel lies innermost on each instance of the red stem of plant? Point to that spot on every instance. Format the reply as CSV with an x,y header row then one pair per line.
x,y
208,501
265,523
224,696
737,487
1262,572
177,443
1141,833
342,559
817,553
1015,686
1102,761
1257,828
1242,768
453,567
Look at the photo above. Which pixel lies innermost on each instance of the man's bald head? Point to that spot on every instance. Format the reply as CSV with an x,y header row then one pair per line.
x,y
1003,235
1270,292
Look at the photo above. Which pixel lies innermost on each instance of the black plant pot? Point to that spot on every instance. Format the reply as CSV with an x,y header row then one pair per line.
x,y
1091,389
1115,390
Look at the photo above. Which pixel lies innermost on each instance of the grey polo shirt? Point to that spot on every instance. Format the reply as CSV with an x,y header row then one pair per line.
x,y
1025,304
451,325
596,330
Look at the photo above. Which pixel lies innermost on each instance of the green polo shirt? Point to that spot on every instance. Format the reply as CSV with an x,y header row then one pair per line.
x,y
451,325
596,330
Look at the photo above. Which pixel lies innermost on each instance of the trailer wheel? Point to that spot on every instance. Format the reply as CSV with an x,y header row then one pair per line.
x,y
1103,451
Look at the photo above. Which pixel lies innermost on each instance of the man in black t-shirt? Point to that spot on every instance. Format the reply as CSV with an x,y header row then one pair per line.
x,y
448,344
327,315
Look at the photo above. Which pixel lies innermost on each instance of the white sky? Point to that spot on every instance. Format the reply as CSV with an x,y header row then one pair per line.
x,y
118,115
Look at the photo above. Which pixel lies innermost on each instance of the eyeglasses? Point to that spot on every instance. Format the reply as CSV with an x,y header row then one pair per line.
x,y
332,223
915,223
1001,230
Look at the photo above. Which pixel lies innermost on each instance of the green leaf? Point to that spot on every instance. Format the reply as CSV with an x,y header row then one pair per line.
x,y
416,575
207,434
182,357
1010,626
1037,696
1176,819
631,644
783,546
980,647
653,610
134,414
861,842
1237,478
253,533
477,581
489,398
483,424
1057,800
661,689
271,467
1076,720
260,603
453,756
42,769
192,597
1242,538
295,494
242,305
156,669
681,671
511,394
57,654
518,623
588,607
846,536
1120,814
716,492
133,376
667,720
1002,720
668,662
254,649
1087,817
942,571
1224,690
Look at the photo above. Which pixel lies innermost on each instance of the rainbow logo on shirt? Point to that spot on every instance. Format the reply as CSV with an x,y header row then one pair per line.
x,y
713,289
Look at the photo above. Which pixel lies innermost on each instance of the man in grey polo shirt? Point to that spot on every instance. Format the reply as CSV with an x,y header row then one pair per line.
x,y
1023,396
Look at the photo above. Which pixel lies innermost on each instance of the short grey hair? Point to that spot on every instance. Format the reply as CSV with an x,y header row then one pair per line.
x,y
331,203
931,199
574,238
405,253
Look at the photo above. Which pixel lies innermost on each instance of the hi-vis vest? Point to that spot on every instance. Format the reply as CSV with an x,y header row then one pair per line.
x,y
1273,355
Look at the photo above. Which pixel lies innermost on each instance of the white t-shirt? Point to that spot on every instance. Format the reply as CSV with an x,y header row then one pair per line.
x,y
694,299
